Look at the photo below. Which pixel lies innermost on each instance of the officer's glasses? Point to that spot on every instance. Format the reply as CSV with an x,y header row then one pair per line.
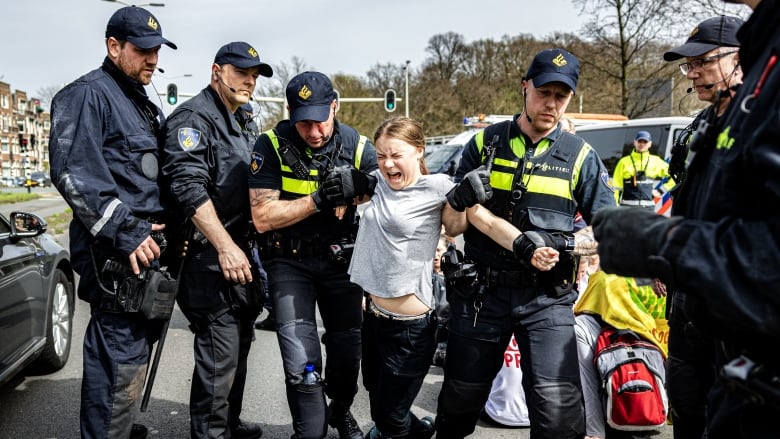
x,y
699,63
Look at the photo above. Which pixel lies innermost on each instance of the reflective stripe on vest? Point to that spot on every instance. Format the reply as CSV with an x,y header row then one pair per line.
x,y
297,187
550,175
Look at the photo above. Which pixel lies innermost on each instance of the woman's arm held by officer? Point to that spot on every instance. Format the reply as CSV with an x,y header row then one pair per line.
x,y
232,259
271,213
454,222
505,234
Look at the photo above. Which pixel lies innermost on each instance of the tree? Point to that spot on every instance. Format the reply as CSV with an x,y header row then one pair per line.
x,y
627,39
447,54
623,33
46,94
270,113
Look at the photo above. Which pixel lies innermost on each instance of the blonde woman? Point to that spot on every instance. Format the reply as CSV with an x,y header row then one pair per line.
x,y
393,263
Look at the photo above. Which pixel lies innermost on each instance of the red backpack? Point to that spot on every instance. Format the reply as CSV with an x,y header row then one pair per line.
x,y
633,375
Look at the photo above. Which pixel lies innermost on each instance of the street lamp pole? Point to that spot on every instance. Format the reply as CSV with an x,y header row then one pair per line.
x,y
406,87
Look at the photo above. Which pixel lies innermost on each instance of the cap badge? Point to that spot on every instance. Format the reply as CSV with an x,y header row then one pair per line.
x,y
304,92
252,52
559,60
152,23
694,31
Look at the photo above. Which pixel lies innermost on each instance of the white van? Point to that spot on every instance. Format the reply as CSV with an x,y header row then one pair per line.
x,y
613,140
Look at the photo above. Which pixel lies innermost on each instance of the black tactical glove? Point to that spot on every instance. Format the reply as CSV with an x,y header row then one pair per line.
x,y
352,182
630,239
345,183
363,182
327,195
473,189
525,244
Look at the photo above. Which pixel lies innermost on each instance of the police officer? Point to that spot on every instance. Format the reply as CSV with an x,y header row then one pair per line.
x,y
307,243
724,249
540,177
104,162
711,55
207,155
712,66
637,176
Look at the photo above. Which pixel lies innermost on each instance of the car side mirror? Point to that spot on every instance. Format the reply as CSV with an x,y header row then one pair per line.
x,y
25,224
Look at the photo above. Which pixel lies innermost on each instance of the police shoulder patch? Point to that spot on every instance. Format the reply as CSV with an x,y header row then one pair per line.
x,y
188,138
256,163
604,177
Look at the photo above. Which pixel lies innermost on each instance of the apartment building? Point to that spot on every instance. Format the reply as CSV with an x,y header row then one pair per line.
x,y
24,135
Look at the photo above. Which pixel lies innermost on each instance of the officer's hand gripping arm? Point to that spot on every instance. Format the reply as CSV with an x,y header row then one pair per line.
x,y
345,183
526,244
473,189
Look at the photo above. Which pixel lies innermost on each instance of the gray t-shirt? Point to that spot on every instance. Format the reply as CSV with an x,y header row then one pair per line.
x,y
397,238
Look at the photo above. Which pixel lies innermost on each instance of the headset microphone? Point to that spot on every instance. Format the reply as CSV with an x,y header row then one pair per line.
x,y
525,107
160,70
219,77
325,138
713,84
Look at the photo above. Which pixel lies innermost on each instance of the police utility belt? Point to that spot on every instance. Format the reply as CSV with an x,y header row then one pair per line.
x,y
464,276
276,245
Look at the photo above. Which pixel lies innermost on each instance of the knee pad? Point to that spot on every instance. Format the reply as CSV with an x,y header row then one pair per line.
x,y
459,397
557,409
460,404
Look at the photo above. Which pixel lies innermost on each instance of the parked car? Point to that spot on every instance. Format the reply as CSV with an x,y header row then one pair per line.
x,y
613,140
445,158
40,179
36,297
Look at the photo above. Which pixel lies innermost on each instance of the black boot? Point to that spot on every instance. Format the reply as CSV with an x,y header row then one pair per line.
x,y
138,431
246,430
267,324
340,418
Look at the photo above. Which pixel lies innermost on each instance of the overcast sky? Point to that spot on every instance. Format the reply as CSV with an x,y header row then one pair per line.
x,y
52,42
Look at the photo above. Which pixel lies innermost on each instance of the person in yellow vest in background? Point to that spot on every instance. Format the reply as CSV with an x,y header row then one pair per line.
x,y
637,176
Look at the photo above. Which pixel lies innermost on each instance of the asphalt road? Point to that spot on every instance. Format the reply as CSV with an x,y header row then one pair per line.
x,y
49,203
47,407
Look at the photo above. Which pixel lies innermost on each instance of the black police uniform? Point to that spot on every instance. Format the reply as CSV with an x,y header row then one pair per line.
x,y
206,158
535,186
303,274
104,148
690,365
726,256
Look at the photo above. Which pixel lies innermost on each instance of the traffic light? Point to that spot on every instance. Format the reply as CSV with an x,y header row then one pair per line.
x,y
390,100
173,94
